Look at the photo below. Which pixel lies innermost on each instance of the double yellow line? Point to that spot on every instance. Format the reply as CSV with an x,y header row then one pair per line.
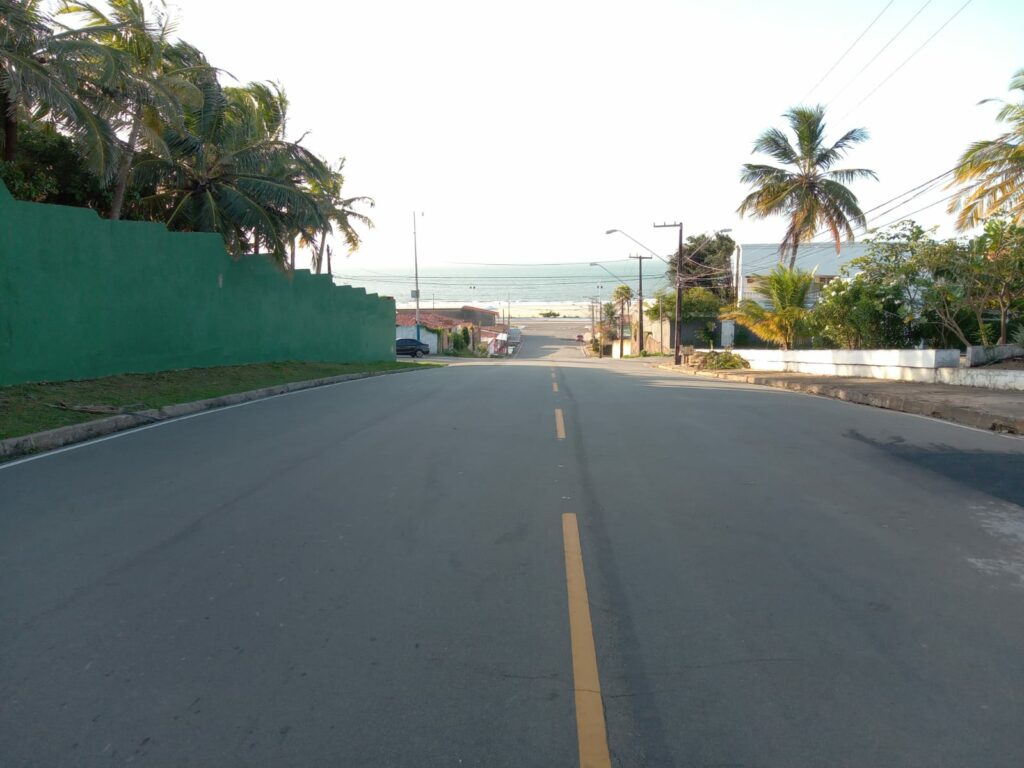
x,y
591,732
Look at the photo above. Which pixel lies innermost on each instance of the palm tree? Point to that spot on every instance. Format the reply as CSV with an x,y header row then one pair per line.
x,y
230,170
808,191
42,73
997,169
153,86
337,212
785,293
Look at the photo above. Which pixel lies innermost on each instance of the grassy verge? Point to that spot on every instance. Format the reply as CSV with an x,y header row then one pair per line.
x,y
28,408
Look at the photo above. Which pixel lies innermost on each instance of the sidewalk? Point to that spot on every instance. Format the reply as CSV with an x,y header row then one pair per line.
x,y
996,410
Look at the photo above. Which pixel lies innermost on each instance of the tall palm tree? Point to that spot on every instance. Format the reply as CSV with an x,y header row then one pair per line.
x,y
230,170
339,213
152,87
785,312
807,190
996,168
43,68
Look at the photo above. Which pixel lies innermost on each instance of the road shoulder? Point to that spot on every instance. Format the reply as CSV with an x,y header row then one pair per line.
x,y
992,410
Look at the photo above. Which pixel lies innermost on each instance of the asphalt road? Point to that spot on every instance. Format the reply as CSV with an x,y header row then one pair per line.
x,y
374,574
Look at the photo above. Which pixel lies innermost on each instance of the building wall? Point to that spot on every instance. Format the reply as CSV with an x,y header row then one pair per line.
x,y
83,297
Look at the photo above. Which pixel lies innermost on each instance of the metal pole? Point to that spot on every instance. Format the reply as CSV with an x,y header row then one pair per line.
x,y
679,298
416,267
640,289
679,289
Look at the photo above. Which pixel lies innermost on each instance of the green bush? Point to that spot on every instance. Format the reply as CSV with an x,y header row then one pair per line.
x,y
719,361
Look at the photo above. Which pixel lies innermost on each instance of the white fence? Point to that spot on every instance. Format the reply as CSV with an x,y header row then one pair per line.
x,y
931,366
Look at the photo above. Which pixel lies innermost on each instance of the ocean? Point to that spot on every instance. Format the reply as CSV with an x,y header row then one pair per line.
x,y
565,288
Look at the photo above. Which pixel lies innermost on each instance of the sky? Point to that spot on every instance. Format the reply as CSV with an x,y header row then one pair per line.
x,y
523,131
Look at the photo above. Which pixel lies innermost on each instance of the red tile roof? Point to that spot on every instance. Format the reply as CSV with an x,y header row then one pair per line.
x,y
405,317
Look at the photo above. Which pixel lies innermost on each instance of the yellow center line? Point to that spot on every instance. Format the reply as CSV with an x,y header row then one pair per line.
x,y
590,728
559,424
554,386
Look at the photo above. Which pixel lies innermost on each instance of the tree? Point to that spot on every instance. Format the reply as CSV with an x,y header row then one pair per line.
x,y
1002,246
230,170
42,72
49,168
992,171
337,211
707,260
610,314
856,313
785,314
151,87
808,190
664,305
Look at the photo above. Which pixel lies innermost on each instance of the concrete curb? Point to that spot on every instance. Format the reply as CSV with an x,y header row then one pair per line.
x,y
13,447
958,414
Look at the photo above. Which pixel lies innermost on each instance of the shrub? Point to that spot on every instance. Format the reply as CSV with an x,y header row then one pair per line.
x,y
718,361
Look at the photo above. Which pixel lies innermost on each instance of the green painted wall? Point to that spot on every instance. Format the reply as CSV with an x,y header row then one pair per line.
x,y
82,297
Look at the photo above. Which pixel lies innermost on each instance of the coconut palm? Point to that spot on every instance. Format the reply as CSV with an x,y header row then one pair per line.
x,y
808,191
339,213
230,170
152,87
993,170
784,313
43,68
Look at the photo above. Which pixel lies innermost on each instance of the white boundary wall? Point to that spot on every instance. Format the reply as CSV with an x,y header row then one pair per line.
x,y
931,366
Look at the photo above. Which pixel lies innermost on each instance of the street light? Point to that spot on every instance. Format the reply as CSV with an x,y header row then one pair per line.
x,y
649,250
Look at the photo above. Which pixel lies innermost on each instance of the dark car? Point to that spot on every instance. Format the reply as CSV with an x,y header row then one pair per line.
x,y
411,347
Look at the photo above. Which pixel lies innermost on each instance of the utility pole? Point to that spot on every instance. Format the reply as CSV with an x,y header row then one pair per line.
x,y
640,290
600,319
416,267
679,288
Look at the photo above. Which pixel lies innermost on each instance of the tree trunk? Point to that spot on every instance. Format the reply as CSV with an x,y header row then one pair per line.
x,y
329,270
320,252
125,167
291,255
1004,321
10,128
792,255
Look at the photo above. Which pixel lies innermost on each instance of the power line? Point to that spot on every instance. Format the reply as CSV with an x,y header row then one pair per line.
x,y
880,51
847,51
911,56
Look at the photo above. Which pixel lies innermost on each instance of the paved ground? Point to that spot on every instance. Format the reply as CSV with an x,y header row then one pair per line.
x,y
373,574
998,410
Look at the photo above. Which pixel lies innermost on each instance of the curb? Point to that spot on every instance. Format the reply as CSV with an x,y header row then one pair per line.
x,y
958,414
37,442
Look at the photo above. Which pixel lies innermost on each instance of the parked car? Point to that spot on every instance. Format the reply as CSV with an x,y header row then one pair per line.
x,y
579,337
411,347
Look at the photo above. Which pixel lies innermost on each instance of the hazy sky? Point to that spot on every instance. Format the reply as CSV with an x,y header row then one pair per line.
x,y
525,130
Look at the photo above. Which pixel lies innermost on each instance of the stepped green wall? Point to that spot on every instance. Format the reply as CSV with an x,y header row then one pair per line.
x,y
82,297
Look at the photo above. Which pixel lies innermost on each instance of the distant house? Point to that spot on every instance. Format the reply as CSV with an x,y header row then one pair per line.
x,y
436,330
481,318
821,258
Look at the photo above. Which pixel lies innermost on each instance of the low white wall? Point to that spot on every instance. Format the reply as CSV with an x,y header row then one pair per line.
x,y
898,364
984,355
981,377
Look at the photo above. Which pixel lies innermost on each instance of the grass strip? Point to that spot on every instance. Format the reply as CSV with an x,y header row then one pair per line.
x,y
28,408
